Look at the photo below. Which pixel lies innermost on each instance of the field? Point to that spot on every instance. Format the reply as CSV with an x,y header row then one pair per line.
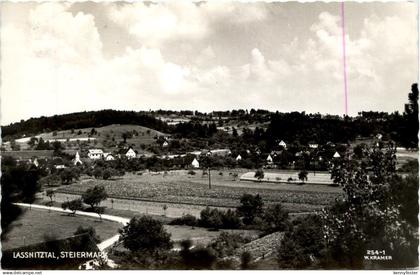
x,y
145,135
177,187
35,224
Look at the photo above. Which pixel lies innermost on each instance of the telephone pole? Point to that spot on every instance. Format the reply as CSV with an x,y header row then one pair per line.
x,y
209,179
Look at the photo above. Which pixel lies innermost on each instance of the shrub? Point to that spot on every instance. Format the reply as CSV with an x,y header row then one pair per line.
x,y
199,258
259,174
107,174
191,172
188,219
226,244
73,205
146,234
211,218
246,260
251,207
90,231
231,220
274,219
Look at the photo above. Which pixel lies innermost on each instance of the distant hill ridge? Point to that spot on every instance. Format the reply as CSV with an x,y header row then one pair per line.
x,y
91,119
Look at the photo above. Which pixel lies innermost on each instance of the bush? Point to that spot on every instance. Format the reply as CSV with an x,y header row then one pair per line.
x,y
199,258
250,208
107,174
211,218
188,219
246,260
231,220
145,234
191,172
90,231
226,244
275,219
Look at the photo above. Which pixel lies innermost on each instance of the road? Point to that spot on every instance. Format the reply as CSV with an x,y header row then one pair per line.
x,y
101,246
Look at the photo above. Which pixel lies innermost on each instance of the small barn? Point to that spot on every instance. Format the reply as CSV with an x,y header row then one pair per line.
x,y
195,163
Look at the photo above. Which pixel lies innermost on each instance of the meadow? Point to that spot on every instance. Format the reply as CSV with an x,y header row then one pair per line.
x,y
179,187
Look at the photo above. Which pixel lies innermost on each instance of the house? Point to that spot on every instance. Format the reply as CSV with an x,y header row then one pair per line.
x,y
379,136
283,144
165,144
77,160
269,159
130,153
108,157
313,145
95,153
238,158
60,166
195,163
36,163
336,155
220,152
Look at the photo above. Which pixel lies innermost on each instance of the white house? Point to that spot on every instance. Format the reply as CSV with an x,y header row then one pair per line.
x,y
269,159
108,157
77,160
165,144
313,145
95,153
60,166
336,155
195,163
221,152
238,158
283,144
130,153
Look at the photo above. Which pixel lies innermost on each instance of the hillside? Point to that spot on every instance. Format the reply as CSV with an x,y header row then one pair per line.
x,y
106,137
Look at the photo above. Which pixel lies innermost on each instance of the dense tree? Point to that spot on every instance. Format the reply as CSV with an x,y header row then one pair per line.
x,y
94,196
275,218
19,183
259,174
73,205
250,208
145,233
371,214
90,231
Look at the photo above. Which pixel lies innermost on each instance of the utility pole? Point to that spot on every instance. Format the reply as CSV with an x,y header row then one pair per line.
x,y
209,179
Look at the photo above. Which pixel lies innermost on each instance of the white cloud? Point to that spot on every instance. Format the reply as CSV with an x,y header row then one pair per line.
x,y
54,63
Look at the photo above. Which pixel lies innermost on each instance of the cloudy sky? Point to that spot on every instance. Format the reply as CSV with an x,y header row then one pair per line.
x,y
61,58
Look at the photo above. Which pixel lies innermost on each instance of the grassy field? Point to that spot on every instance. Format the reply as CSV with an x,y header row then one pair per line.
x,y
180,188
145,135
35,225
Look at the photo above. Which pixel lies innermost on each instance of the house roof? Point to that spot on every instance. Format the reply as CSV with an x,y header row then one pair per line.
x,y
95,151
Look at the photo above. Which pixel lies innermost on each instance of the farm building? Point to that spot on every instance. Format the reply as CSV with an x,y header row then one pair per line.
x,y
195,163
238,158
313,145
108,157
95,153
165,144
336,155
130,153
221,152
269,159
36,163
283,144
